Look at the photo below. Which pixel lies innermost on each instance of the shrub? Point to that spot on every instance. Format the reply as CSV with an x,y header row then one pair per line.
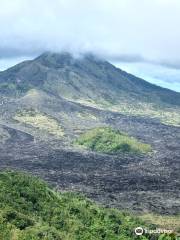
x,y
108,140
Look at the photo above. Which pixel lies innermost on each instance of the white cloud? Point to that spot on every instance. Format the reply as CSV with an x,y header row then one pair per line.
x,y
116,27
123,30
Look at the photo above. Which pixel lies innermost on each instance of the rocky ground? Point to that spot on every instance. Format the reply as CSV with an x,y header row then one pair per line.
x,y
138,183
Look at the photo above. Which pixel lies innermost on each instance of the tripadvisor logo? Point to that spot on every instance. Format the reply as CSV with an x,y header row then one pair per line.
x,y
140,231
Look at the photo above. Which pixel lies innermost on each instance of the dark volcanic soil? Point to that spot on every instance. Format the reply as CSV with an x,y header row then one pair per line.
x,y
140,183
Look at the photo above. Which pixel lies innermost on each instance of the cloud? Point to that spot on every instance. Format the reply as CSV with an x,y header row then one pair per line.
x,y
170,64
124,58
131,30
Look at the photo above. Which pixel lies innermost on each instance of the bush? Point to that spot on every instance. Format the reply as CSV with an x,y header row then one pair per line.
x,y
30,210
108,140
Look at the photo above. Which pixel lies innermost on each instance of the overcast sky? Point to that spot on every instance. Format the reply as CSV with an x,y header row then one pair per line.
x,y
123,31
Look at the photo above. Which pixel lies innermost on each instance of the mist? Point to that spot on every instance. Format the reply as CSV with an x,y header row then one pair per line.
x,y
132,31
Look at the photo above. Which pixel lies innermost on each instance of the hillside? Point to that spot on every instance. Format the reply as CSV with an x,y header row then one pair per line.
x,y
92,82
49,104
29,209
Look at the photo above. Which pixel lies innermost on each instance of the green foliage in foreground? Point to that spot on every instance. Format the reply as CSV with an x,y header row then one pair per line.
x,y
30,210
108,140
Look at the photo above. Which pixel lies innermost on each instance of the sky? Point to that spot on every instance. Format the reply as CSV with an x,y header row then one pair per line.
x,y
140,36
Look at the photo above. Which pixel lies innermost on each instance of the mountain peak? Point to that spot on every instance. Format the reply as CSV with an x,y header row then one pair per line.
x,y
49,54
52,59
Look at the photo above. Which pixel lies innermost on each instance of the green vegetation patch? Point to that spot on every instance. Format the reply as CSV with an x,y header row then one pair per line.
x,y
166,115
108,140
39,121
30,210
169,115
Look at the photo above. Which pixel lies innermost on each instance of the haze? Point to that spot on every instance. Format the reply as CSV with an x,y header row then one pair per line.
x,y
124,32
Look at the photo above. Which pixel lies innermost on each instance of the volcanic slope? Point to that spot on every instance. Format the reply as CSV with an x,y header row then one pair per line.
x,y
47,103
92,82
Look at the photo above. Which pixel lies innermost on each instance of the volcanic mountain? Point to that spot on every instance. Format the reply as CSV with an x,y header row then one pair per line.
x,y
91,81
51,103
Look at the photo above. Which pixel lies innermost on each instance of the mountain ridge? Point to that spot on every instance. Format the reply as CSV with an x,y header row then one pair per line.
x,y
59,60
91,81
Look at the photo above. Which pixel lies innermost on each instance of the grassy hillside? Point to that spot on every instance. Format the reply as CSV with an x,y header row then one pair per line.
x,y
30,210
40,121
108,140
